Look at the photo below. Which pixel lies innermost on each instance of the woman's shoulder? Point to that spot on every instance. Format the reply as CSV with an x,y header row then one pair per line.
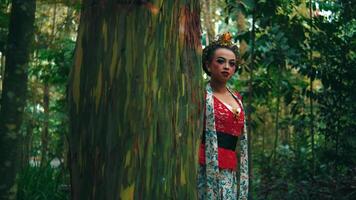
x,y
237,94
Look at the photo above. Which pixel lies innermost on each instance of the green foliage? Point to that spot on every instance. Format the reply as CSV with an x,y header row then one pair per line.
x,y
337,97
301,64
51,62
289,177
36,183
54,63
4,23
50,65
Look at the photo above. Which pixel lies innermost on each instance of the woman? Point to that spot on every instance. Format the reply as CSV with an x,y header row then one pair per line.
x,y
224,123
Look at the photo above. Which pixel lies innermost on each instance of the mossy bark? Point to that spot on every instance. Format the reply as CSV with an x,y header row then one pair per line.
x,y
135,98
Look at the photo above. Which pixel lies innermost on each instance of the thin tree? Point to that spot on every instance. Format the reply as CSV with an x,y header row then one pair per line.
x,y
21,30
208,15
135,97
45,139
250,93
311,80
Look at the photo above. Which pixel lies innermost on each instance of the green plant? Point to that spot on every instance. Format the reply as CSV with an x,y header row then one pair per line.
x,y
47,183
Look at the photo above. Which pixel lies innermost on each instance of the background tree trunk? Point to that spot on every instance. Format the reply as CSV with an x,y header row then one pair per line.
x,y
135,99
2,70
311,79
21,31
45,138
45,131
249,102
27,144
277,114
208,13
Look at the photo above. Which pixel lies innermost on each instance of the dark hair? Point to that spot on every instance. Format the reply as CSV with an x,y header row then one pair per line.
x,y
209,51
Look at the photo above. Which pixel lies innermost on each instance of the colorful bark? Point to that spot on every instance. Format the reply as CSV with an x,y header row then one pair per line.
x,y
135,99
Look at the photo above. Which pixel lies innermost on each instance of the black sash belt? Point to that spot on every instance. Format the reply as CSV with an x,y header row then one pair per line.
x,y
226,141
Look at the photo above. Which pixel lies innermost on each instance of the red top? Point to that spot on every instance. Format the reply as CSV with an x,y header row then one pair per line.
x,y
225,123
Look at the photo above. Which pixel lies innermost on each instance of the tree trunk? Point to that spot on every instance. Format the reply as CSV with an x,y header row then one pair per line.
x,y
277,114
135,99
208,23
2,65
2,70
311,87
45,139
21,31
250,91
44,136
27,143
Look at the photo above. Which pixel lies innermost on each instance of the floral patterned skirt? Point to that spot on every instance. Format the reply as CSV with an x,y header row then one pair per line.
x,y
227,184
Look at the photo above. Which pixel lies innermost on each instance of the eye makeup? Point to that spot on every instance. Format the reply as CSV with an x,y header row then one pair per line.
x,y
232,63
222,60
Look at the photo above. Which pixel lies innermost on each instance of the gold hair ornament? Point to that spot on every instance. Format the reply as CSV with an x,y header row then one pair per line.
x,y
222,41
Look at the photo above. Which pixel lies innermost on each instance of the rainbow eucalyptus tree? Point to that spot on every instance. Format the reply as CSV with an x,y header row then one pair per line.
x,y
135,100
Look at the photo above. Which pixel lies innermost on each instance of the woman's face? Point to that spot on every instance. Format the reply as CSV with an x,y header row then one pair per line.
x,y
223,65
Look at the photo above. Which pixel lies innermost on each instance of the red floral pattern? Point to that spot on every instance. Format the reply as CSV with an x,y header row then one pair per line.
x,y
228,123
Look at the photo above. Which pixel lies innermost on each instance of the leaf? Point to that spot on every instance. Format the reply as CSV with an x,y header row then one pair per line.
x,y
248,4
